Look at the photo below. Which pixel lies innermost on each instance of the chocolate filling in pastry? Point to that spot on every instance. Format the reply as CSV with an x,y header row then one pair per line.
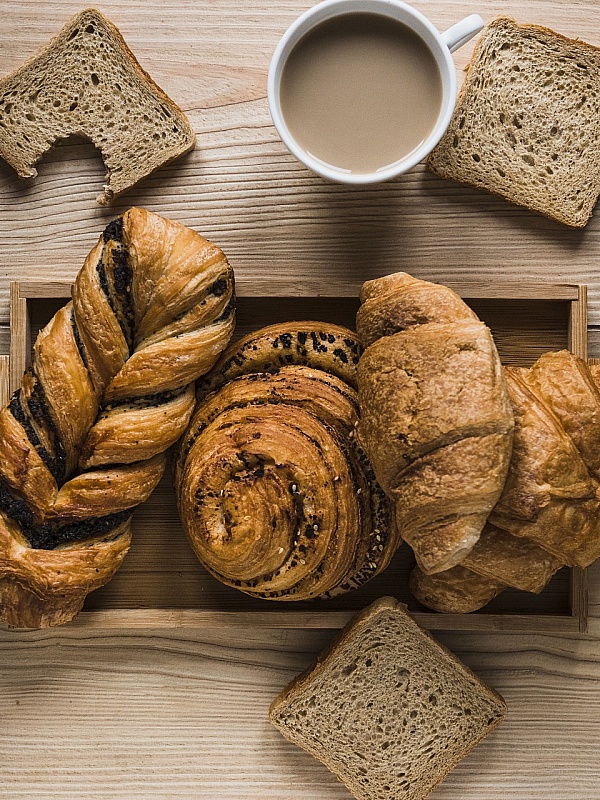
x,y
111,388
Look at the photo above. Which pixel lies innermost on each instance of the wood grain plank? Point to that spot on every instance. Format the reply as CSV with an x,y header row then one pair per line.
x,y
200,620
318,287
20,336
44,290
594,341
578,344
578,324
580,597
240,187
179,715
594,599
4,380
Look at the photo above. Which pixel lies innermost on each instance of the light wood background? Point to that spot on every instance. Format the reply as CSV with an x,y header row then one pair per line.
x,y
181,714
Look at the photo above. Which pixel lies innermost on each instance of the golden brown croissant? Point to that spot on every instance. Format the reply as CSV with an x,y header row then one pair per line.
x,y
549,512
83,441
435,414
455,591
275,494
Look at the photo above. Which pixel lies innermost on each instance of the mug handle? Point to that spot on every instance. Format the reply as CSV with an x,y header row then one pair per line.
x,y
464,30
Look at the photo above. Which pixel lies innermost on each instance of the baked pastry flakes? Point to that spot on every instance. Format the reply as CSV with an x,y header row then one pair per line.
x,y
110,388
548,515
435,414
276,495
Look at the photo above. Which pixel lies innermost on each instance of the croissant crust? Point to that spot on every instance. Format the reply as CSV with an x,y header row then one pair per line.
x,y
435,414
548,514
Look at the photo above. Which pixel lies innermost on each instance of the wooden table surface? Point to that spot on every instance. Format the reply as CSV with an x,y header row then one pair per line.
x,y
181,714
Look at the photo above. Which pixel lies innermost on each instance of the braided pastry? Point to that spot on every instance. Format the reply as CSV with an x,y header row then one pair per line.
x,y
275,494
435,414
549,513
83,440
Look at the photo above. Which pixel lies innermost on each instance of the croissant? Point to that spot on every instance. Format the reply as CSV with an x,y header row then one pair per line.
x,y
435,414
275,493
83,440
548,515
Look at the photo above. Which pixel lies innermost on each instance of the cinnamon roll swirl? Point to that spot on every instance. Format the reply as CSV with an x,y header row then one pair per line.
x,y
275,493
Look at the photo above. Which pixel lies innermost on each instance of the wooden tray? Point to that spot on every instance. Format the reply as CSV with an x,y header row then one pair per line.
x,y
161,583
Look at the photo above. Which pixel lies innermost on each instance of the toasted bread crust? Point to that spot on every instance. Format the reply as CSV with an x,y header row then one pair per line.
x,y
521,152
121,121
347,645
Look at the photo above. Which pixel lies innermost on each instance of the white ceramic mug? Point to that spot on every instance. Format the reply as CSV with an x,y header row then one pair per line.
x,y
441,46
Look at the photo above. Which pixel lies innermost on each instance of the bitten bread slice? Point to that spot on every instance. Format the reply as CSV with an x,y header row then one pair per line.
x,y
387,709
527,122
87,82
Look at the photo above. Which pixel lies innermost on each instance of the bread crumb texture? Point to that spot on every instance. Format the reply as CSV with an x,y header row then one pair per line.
x,y
87,82
388,710
527,122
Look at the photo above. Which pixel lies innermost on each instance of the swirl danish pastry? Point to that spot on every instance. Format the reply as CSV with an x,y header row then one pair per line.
x,y
83,441
275,492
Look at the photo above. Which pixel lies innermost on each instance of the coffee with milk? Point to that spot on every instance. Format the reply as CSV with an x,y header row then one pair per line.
x,y
360,92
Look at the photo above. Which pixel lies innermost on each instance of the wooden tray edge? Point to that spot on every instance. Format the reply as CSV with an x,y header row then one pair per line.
x,y
144,619
575,294
4,379
250,287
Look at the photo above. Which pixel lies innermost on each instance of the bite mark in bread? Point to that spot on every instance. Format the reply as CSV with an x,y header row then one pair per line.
x,y
87,82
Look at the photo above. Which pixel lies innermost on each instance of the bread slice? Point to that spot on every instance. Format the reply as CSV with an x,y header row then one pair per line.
x,y
387,709
526,122
87,82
